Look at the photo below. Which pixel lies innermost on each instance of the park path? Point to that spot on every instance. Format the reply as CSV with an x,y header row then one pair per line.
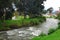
x,y
27,33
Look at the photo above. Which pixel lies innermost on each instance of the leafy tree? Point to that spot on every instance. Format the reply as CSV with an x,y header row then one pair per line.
x,y
31,6
3,5
44,11
50,9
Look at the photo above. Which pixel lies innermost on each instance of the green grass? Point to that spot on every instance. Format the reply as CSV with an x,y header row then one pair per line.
x,y
53,36
21,22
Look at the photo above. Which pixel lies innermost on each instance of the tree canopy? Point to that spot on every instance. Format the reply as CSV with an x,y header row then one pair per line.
x,y
26,6
31,6
50,9
5,3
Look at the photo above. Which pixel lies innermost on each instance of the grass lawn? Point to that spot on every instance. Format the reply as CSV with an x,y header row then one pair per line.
x,y
53,36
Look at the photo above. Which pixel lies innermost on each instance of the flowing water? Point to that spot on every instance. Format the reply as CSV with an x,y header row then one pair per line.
x,y
27,33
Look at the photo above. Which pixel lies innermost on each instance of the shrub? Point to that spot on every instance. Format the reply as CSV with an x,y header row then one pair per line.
x,y
58,16
59,25
51,31
35,21
26,22
42,34
20,17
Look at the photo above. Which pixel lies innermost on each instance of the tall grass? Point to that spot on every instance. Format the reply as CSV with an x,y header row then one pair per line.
x,y
22,22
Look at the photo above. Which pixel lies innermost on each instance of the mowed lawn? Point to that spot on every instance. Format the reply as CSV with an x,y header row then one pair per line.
x,y
53,36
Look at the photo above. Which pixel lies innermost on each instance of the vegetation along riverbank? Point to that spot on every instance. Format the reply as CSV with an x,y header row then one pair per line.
x,y
20,22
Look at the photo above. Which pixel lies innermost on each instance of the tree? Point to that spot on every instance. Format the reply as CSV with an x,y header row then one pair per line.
x,y
27,6
31,6
44,11
3,5
50,9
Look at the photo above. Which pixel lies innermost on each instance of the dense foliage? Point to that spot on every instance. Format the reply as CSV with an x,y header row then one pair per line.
x,y
50,9
33,7
58,16
28,7
21,22
4,12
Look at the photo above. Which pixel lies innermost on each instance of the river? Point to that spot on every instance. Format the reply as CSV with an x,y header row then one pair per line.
x,y
27,33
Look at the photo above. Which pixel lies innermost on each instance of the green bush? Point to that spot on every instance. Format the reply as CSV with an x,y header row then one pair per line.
x,y
59,25
51,31
58,16
35,21
20,17
42,34
26,22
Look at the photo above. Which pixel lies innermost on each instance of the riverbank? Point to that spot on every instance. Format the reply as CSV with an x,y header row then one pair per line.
x,y
27,33
53,34
15,24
